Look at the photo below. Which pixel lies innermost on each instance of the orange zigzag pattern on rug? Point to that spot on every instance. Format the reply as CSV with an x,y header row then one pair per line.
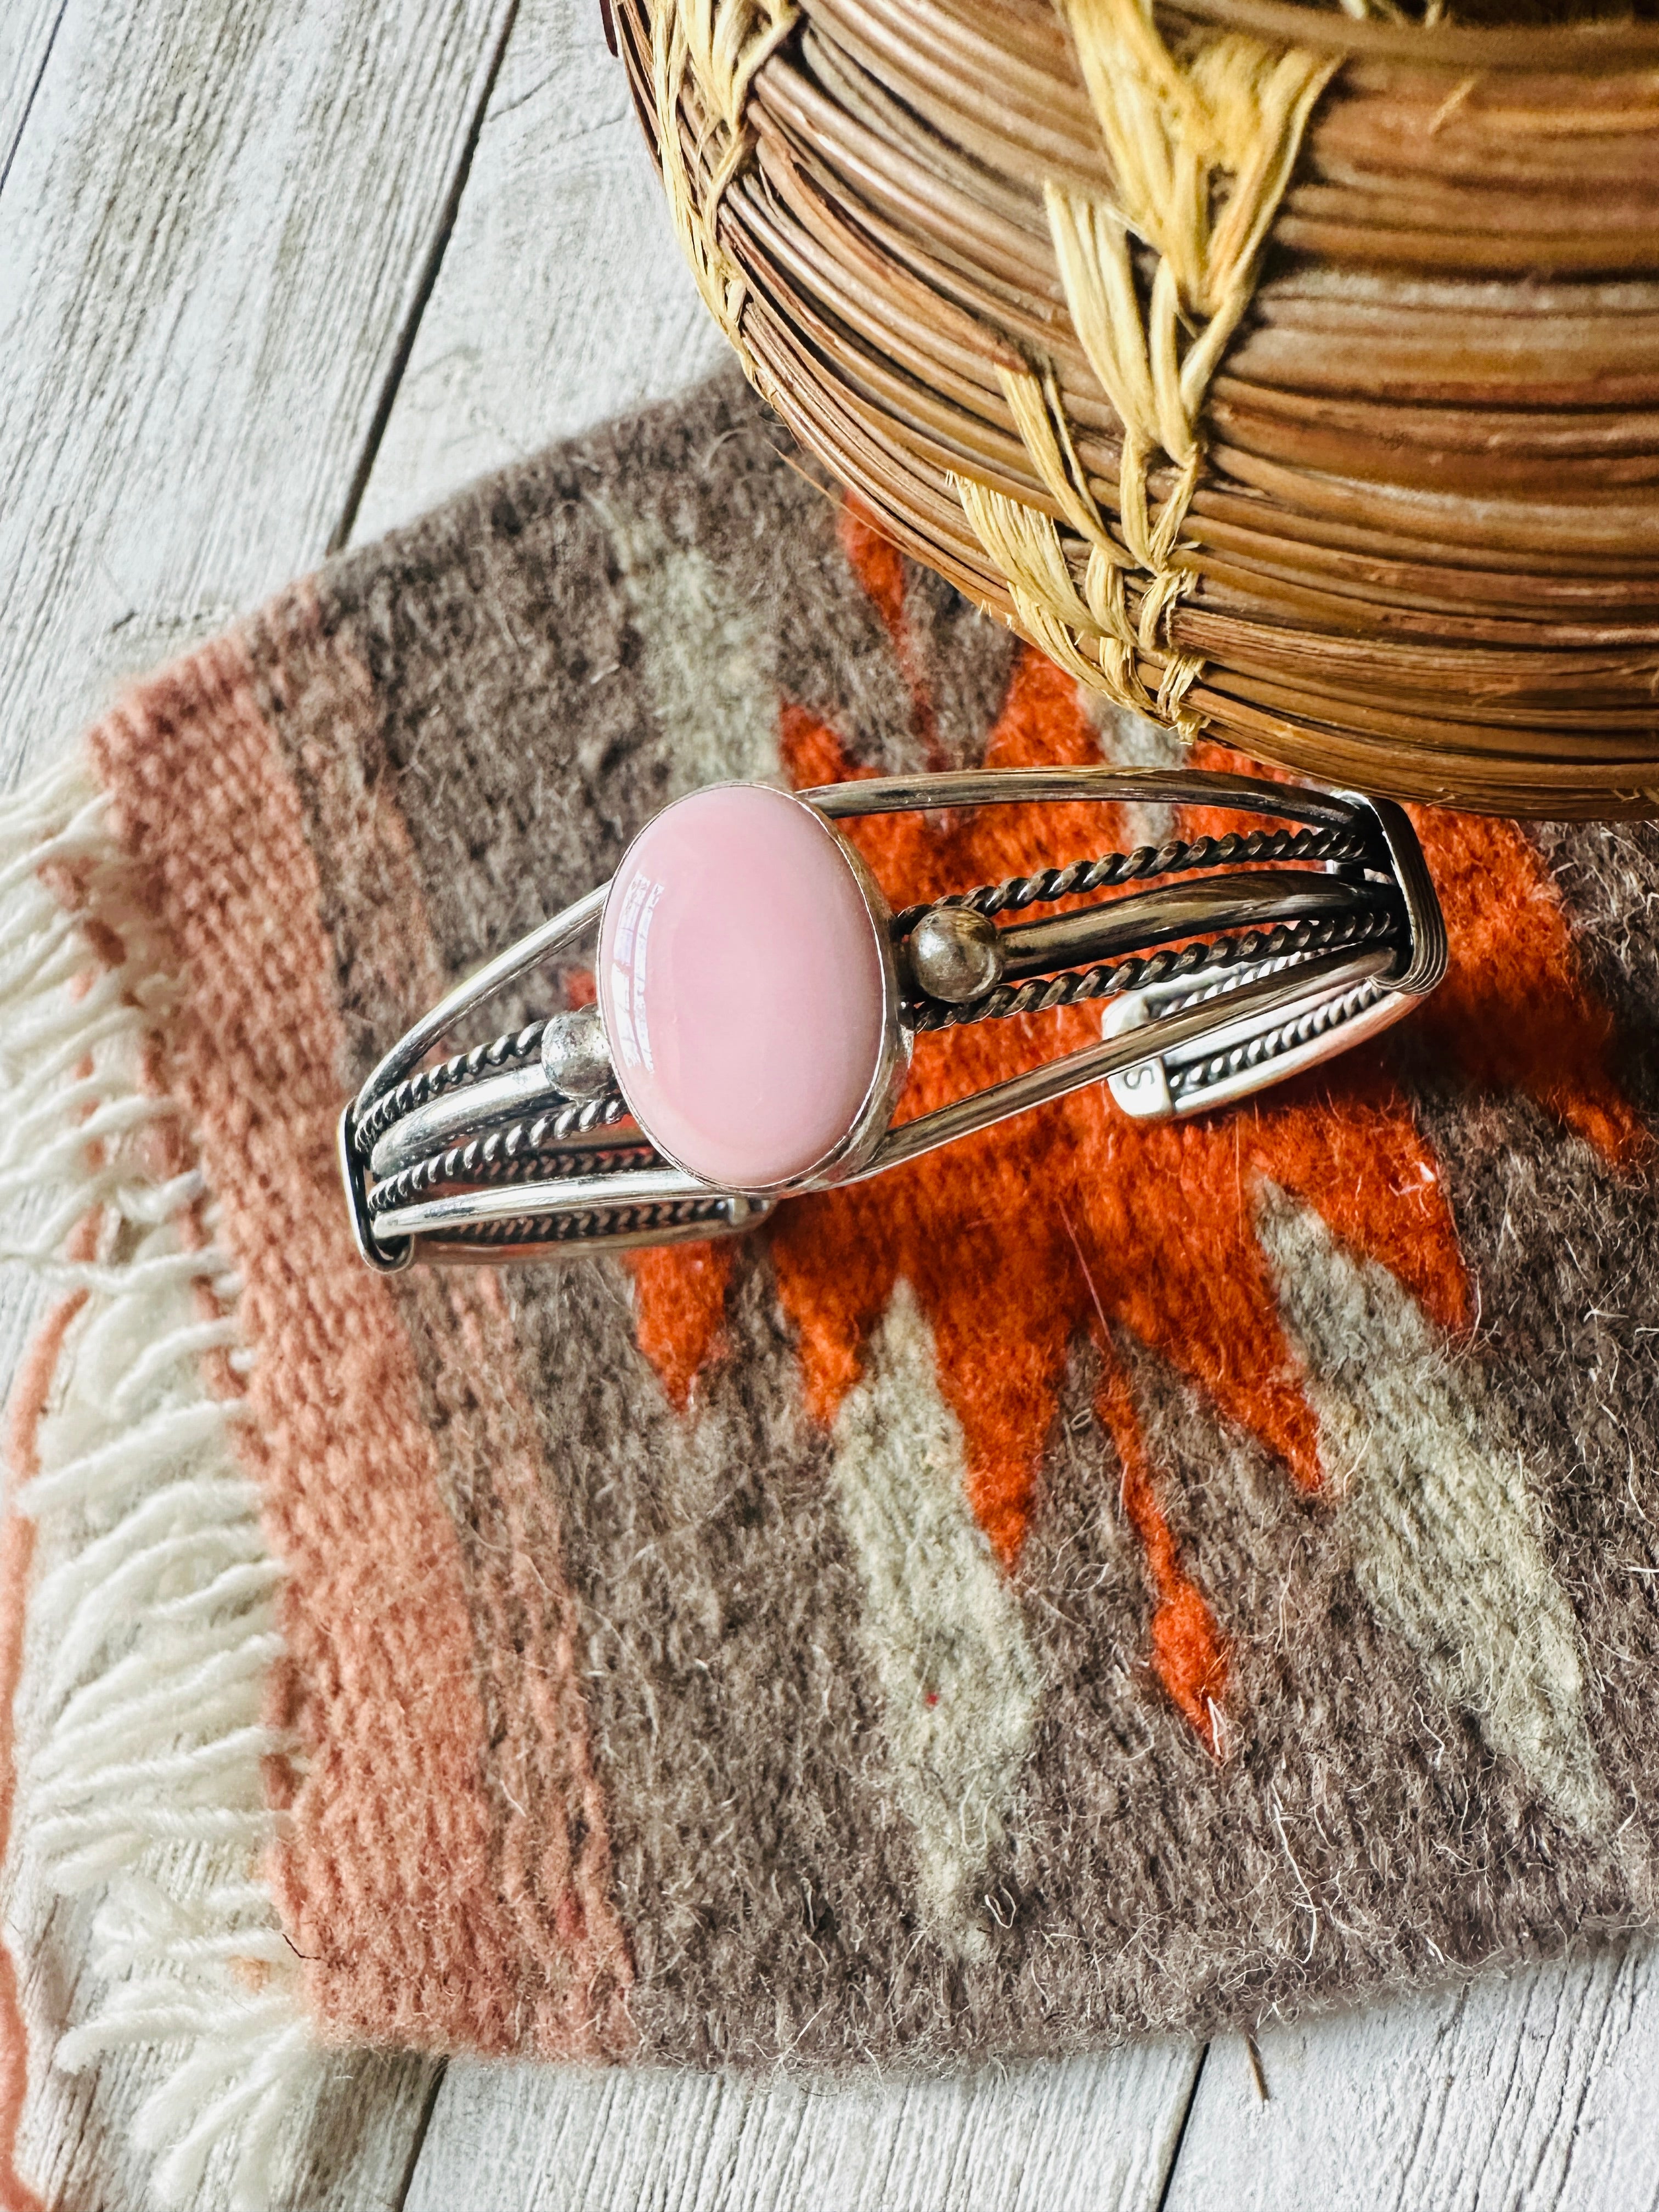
x,y
1077,1217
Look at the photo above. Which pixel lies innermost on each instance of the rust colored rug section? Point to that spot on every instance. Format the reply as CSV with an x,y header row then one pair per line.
x,y
1102,1577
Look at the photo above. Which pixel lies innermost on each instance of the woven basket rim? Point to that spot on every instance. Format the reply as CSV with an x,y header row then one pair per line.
x,y
1514,48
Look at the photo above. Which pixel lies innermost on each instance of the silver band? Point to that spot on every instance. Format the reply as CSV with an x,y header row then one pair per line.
x,y
1246,959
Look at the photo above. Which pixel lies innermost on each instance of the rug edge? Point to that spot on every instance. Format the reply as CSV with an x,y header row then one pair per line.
x,y
147,1778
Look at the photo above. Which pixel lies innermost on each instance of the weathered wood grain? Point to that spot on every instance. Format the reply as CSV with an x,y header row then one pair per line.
x,y
217,224
562,297
1532,2091
1077,2137
26,34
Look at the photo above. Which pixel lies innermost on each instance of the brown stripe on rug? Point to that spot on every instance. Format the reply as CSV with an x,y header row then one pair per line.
x,y
548,1844
389,1875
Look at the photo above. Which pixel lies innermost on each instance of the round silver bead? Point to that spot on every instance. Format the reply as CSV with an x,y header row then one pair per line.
x,y
576,1058
955,954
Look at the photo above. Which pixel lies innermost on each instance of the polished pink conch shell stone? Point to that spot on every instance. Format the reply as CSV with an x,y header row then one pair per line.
x,y
741,985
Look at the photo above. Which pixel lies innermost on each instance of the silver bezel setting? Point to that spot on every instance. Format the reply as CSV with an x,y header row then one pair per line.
x,y
848,1153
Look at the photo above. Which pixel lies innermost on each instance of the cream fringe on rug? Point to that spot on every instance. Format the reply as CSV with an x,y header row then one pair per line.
x,y
150,1620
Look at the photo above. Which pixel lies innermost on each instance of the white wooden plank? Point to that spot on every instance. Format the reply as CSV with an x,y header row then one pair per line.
x,y
1532,2091
1072,2137
26,32
562,297
219,221
216,227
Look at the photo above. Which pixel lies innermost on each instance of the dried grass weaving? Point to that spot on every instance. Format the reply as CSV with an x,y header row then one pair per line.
x,y
1289,375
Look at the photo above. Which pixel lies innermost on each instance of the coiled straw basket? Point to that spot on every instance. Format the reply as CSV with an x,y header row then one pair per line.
x,y
1289,375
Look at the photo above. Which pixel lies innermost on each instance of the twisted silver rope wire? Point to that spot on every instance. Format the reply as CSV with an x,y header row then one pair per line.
x,y
1108,979
514,1151
428,1083
1178,857
573,1228
1200,1075
495,1159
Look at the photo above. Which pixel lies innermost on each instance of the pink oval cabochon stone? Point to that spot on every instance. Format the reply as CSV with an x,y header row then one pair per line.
x,y
740,983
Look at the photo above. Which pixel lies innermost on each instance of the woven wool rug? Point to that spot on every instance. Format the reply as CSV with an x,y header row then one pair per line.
x,y
1103,1577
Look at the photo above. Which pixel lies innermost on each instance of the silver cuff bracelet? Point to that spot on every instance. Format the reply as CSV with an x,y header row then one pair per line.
x,y
757,1001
